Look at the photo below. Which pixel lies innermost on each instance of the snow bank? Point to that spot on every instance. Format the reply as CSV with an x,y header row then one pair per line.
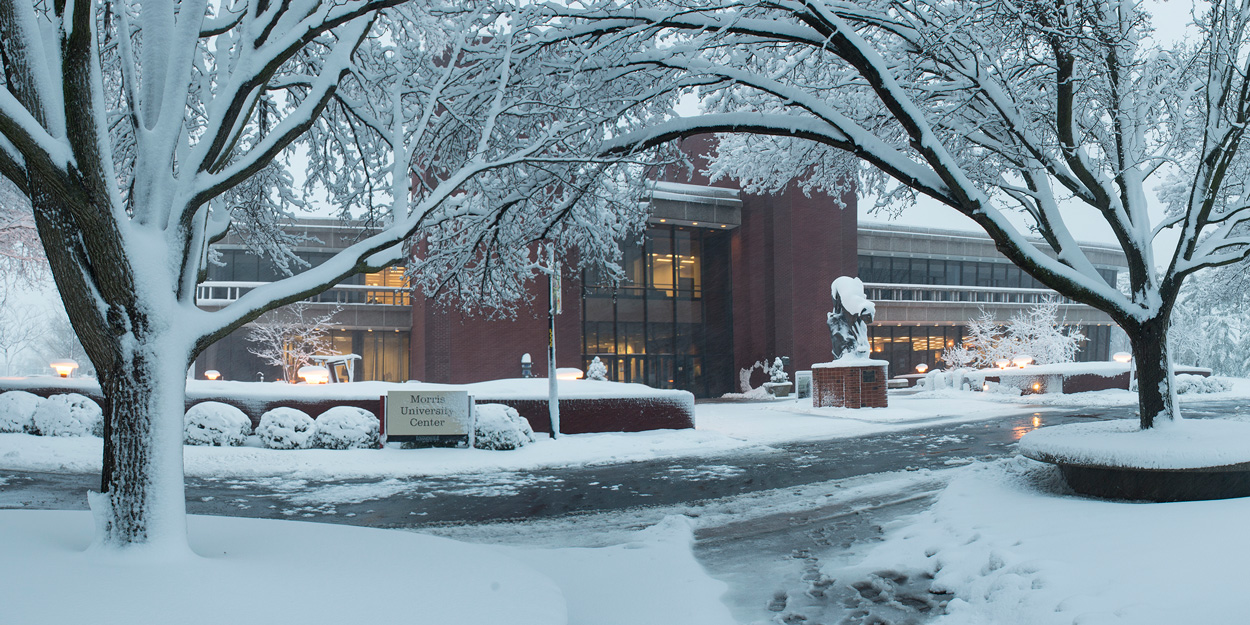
x,y
1184,444
1009,546
17,411
500,427
265,571
215,423
70,414
1197,384
347,427
286,428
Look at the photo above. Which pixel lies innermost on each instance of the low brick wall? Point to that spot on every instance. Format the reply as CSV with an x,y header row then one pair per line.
x,y
1077,382
849,387
605,414
577,415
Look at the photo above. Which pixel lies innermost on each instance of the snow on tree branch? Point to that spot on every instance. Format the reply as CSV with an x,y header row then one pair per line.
x,y
988,106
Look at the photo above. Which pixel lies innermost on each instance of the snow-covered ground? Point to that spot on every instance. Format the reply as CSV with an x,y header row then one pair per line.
x,y
247,571
1012,545
1005,540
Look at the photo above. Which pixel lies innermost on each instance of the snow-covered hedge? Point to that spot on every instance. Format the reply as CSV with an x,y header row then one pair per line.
x,y
1186,383
17,411
956,379
286,428
501,427
215,423
70,414
347,427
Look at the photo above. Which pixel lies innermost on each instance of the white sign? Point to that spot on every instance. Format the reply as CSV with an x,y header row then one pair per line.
x,y
427,413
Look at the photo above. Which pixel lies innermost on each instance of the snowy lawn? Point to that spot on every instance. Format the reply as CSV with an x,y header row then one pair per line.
x,y
261,571
1013,546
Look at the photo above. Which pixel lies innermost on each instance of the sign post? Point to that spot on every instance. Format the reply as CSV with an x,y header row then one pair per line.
x,y
439,418
553,309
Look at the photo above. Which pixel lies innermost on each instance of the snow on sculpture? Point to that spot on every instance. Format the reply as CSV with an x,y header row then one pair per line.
x,y
848,323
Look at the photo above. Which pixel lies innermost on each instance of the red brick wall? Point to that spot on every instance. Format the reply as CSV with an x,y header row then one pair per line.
x,y
788,251
845,387
459,348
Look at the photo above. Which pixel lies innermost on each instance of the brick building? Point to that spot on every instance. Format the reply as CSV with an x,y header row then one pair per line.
x,y
722,280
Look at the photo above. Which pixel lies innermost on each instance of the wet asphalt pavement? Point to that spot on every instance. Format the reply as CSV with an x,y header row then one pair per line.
x,y
543,493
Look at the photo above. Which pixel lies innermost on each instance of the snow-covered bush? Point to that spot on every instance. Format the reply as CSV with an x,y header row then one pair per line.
x,y
17,411
217,424
777,372
597,370
286,428
70,414
500,427
1194,384
957,379
347,427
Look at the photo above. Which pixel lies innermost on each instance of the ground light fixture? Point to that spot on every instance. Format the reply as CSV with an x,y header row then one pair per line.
x,y
64,367
1020,360
921,368
212,374
1122,357
568,373
1002,363
314,375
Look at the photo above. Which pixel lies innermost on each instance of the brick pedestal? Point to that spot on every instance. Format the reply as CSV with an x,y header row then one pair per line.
x,y
849,386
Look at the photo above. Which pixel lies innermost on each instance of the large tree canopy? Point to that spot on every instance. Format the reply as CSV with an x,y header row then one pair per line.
x,y
142,131
987,106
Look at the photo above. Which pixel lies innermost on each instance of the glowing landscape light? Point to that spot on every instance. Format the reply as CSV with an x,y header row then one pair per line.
x,y
64,367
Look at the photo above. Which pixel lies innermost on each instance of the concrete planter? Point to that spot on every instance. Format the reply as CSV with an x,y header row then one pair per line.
x,y
778,389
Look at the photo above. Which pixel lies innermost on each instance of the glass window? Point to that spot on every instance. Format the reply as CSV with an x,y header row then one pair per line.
x,y
1000,275
937,272
881,268
917,270
661,273
632,263
396,292
898,270
688,259
968,276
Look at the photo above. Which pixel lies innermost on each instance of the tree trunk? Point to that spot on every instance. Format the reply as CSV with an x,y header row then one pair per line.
x,y
1156,391
143,502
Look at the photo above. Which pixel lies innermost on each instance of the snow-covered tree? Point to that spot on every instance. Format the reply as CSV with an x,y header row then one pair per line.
x,y
1037,332
290,336
981,346
777,372
987,106
597,370
22,262
142,131
22,328
1211,325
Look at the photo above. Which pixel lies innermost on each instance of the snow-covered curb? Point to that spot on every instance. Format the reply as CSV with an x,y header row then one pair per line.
x,y
1184,444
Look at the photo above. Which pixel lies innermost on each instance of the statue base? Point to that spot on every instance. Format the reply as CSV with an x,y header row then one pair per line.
x,y
849,383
